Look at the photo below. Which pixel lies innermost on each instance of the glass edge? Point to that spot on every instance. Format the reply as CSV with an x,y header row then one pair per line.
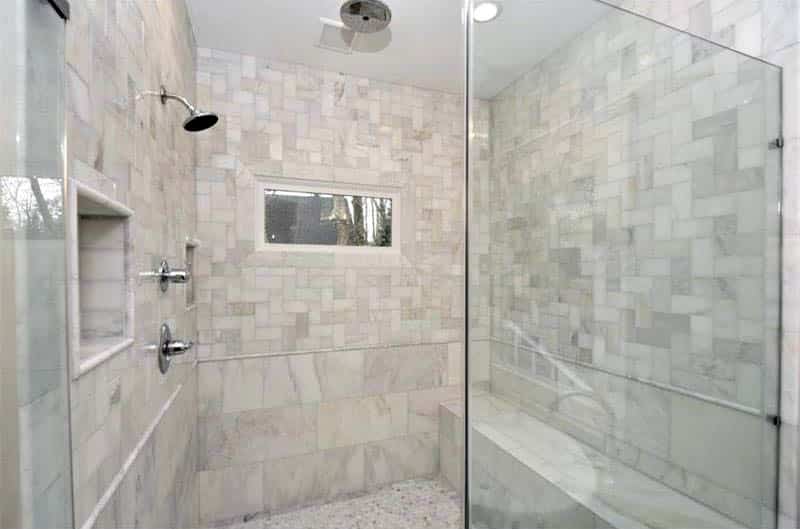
x,y
686,32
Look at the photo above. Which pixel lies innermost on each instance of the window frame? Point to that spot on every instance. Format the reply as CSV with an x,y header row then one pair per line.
x,y
315,186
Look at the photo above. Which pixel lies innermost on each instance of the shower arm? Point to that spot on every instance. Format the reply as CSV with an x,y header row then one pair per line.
x,y
165,96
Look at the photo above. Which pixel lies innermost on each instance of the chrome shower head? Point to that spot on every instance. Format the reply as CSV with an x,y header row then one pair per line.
x,y
197,120
365,16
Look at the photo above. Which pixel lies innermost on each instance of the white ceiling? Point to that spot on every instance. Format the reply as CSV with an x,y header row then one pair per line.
x,y
526,32
425,38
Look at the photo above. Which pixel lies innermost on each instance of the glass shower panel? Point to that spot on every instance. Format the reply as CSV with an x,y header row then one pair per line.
x,y
624,274
34,406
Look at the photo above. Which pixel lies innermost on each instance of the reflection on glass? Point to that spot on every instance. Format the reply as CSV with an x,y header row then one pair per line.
x,y
625,303
34,397
32,206
296,217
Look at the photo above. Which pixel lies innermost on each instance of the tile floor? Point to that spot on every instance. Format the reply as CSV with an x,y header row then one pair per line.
x,y
416,504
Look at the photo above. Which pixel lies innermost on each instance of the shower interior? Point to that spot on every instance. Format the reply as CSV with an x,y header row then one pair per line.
x,y
621,187
305,252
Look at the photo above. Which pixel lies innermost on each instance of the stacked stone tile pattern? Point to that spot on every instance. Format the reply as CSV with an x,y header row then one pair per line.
x,y
638,227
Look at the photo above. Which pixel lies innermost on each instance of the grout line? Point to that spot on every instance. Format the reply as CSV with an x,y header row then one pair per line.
x,y
319,351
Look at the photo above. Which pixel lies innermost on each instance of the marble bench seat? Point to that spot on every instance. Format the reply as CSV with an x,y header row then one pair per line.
x,y
527,474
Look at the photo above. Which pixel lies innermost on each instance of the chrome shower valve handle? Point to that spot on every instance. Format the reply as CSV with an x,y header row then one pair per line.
x,y
177,347
166,275
168,348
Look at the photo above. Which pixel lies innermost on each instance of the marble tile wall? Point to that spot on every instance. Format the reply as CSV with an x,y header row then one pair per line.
x,y
647,431
769,29
632,148
640,235
480,262
321,374
135,152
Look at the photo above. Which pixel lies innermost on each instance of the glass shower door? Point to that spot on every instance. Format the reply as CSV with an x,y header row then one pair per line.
x,y
624,274
34,405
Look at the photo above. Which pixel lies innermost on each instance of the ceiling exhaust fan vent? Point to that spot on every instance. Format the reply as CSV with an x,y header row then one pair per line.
x,y
335,36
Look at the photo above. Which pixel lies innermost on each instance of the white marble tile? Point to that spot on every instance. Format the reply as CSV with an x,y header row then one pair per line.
x,y
341,373
257,435
290,380
242,385
423,407
395,369
293,482
230,492
733,435
356,421
402,458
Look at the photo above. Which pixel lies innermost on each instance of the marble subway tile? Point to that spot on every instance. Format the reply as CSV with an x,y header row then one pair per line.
x,y
209,388
293,482
399,459
341,373
734,460
423,407
242,385
230,492
396,369
257,435
360,420
290,380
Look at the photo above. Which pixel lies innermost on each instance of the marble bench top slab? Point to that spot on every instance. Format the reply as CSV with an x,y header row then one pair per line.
x,y
615,492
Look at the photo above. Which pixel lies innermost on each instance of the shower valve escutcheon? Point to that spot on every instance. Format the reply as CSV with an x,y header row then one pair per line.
x,y
166,275
167,348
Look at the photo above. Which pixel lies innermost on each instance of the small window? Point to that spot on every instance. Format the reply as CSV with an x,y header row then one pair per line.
x,y
327,219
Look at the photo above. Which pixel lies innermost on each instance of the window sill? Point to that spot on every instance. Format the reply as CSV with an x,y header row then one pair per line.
x,y
340,256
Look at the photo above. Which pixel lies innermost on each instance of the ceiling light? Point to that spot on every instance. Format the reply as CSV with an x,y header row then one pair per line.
x,y
485,11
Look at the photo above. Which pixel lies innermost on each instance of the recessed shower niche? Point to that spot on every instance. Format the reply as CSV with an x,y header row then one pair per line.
x,y
100,289
189,259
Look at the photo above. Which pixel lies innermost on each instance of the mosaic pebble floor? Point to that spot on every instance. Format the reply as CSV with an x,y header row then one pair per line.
x,y
416,504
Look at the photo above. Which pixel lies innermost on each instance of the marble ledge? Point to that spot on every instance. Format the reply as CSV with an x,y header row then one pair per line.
x,y
609,489
104,202
100,353
357,347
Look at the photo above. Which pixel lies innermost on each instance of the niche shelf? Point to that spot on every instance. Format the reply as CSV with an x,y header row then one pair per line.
x,y
100,289
189,263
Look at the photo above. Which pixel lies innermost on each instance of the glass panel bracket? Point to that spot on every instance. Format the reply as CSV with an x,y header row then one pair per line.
x,y
61,7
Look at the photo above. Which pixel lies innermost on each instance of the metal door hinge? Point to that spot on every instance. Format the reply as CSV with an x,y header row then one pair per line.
x,y
774,420
777,143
